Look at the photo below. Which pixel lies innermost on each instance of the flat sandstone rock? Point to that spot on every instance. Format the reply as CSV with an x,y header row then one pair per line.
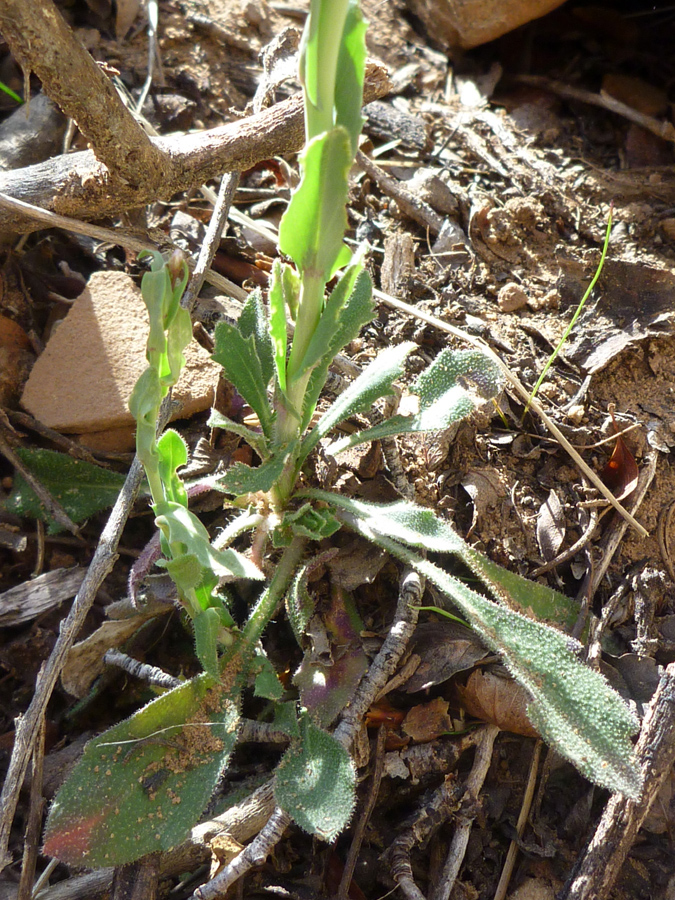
x,y
82,381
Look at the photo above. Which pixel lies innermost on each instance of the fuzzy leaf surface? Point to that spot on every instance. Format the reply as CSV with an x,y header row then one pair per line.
x,y
253,323
81,488
242,479
142,785
455,384
374,382
420,527
356,312
573,707
315,782
238,355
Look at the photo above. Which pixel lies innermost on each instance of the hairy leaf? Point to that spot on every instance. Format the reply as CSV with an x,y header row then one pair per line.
x,y
419,527
455,384
573,707
142,785
356,312
242,479
315,782
238,355
80,487
374,382
253,438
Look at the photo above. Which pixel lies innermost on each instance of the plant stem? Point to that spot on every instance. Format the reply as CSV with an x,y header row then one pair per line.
x,y
269,599
327,22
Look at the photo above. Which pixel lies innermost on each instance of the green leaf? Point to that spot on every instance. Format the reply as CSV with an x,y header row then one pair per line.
x,y
357,312
81,488
267,684
420,527
300,603
173,454
315,221
286,718
185,570
253,323
180,526
207,627
315,782
239,357
454,385
329,322
253,438
242,479
278,329
350,71
573,707
178,337
374,382
142,785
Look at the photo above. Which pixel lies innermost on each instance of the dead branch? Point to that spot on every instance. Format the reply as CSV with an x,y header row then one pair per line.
x,y
42,42
599,867
81,186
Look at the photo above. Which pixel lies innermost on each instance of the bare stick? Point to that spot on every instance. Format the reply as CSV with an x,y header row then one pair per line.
x,y
42,42
32,835
113,236
510,860
364,816
465,819
28,726
597,870
388,657
80,186
254,855
226,192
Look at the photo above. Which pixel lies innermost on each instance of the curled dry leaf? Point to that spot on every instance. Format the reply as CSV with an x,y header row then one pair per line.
x,y
445,648
492,696
428,721
550,526
621,472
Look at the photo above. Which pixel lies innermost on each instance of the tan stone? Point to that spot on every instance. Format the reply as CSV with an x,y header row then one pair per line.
x,y
83,379
511,297
468,23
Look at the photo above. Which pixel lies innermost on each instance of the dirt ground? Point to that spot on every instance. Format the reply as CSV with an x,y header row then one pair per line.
x,y
512,176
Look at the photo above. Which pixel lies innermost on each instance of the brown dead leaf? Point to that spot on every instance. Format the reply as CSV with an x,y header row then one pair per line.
x,y
492,696
445,648
550,526
621,472
428,721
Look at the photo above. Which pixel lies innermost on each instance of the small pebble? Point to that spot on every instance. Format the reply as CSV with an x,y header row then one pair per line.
x,y
511,297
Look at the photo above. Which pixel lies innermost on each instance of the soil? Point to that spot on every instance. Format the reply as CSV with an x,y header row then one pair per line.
x,y
524,176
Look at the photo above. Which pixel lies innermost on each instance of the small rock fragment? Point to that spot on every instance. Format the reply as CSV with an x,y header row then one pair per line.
x,y
511,297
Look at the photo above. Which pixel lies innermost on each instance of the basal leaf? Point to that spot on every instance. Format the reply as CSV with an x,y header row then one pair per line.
x,y
455,384
419,527
242,479
80,487
142,785
238,355
315,782
573,707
